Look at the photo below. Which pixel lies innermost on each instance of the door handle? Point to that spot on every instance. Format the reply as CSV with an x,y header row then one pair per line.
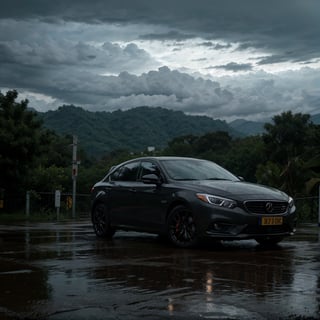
x,y
133,190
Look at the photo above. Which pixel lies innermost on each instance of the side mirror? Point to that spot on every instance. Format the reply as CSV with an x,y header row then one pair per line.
x,y
151,179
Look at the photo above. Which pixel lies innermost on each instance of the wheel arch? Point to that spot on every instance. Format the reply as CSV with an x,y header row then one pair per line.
x,y
184,233
98,199
100,220
94,205
176,203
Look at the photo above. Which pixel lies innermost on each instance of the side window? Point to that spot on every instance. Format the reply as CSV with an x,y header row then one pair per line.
x,y
149,168
127,172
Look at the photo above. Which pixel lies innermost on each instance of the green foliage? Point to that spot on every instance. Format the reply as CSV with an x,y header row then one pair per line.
x,y
31,157
312,167
182,146
269,174
286,156
247,128
244,157
20,140
55,150
102,132
51,178
289,178
293,177
287,136
290,142
215,141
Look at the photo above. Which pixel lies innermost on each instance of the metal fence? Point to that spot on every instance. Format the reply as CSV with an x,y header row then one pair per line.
x,y
43,204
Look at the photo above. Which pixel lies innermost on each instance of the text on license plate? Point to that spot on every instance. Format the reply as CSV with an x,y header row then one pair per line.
x,y
271,221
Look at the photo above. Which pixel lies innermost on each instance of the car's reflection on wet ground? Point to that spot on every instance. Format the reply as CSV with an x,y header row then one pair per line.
x,y
62,271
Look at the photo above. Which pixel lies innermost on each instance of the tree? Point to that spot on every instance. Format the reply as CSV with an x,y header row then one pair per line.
x,y
244,157
313,168
182,146
287,137
50,179
269,174
218,141
20,135
55,150
289,143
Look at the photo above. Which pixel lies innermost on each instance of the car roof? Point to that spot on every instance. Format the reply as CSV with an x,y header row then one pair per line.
x,y
156,158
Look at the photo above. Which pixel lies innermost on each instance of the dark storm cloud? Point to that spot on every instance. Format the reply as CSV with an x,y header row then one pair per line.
x,y
171,35
64,55
76,52
222,46
215,46
235,67
275,25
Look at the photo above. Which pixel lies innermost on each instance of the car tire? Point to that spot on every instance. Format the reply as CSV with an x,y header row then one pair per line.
x,y
101,223
181,227
269,241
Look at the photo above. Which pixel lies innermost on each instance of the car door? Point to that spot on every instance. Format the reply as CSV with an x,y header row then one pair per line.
x,y
151,199
122,198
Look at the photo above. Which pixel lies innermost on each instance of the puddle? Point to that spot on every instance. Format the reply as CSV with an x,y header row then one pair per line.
x,y
62,271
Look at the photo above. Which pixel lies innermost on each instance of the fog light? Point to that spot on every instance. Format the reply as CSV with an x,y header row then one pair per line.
x,y
216,226
221,227
225,228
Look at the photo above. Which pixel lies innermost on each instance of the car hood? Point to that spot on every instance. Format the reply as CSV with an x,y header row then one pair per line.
x,y
238,190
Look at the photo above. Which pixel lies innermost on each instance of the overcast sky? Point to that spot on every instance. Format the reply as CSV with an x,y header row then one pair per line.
x,y
227,59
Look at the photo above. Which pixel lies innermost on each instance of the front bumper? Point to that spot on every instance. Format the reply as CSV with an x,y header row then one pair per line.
x,y
233,224
233,232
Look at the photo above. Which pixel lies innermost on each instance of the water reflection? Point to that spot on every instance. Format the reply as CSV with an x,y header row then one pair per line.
x,y
57,270
170,306
209,283
202,278
162,267
22,285
24,278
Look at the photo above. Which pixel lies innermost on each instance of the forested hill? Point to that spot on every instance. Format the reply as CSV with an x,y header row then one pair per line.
x,y
134,129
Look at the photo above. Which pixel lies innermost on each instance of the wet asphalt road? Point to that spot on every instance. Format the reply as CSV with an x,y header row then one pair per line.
x,y
62,271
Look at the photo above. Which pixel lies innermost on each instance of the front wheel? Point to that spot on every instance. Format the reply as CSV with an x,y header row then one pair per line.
x,y
269,241
101,223
181,227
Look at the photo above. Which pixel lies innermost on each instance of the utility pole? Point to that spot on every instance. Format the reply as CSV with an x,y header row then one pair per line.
x,y
74,174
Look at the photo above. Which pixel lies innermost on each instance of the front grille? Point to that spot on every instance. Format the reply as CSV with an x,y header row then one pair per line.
x,y
266,207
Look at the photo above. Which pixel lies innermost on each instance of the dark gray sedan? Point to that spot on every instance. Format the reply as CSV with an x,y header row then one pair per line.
x,y
187,200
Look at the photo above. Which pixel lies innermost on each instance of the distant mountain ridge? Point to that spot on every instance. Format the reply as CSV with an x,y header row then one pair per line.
x,y
316,118
136,129
247,128
133,129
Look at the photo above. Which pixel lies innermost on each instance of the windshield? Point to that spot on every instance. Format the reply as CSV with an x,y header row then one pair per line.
x,y
194,169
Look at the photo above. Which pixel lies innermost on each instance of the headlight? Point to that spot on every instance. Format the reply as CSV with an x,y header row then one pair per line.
x,y
291,202
217,201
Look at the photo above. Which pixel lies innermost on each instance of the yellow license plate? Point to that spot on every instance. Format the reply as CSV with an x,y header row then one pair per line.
x,y
271,221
